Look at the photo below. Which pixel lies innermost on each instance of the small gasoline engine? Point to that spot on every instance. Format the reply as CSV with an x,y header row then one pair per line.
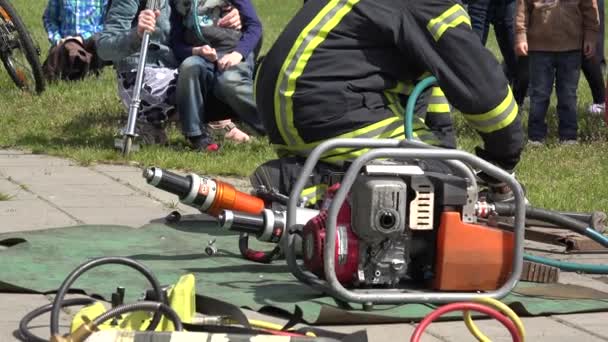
x,y
398,234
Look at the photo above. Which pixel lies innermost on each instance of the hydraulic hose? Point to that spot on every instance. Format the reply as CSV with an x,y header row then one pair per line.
x,y
157,307
568,266
508,209
411,105
75,274
263,257
24,331
570,223
500,306
468,306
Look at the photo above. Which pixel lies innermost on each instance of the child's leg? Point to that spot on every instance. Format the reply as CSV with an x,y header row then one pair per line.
x,y
541,85
235,88
193,88
567,73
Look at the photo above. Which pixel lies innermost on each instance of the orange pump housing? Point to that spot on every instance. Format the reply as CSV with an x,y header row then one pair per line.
x,y
471,257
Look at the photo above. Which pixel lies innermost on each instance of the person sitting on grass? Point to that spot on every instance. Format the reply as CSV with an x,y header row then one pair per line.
x,y
120,42
223,59
71,26
552,33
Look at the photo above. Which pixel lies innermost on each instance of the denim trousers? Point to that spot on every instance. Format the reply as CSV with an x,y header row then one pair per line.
x,y
501,14
199,79
547,68
592,67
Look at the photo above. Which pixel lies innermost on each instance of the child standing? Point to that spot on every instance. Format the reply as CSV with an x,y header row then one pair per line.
x,y
223,57
552,33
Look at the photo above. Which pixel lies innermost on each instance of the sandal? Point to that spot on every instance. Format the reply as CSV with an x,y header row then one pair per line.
x,y
232,132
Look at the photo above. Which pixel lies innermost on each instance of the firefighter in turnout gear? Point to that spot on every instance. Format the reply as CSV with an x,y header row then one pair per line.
x,y
345,68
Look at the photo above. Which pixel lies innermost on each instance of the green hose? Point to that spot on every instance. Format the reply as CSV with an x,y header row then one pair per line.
x,y
568,266
411,105
564,266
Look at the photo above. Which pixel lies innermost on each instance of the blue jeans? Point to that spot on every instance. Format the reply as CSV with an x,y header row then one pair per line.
x,y
545,68
194,86
199,79
234,87
501,13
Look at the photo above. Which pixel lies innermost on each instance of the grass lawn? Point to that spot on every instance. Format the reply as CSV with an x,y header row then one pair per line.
x,y
80,120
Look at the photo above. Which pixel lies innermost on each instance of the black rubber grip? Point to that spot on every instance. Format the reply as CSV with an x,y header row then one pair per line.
x,y
175,184
248,223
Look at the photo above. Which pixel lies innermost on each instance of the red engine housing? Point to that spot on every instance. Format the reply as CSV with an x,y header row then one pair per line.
x,y
347,246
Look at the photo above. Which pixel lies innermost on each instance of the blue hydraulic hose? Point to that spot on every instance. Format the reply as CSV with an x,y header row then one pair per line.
x,y
575,267
411,104
568,266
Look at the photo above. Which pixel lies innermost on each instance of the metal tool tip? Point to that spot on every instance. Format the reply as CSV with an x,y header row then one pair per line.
x,y
148,173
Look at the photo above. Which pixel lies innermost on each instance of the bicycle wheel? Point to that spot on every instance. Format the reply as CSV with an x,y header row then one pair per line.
x,y
17,51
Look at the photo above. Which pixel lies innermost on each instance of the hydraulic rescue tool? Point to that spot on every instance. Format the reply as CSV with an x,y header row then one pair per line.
x,y
128,132
246,213
208,195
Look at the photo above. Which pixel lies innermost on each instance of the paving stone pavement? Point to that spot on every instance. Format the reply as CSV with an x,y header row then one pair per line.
x,y
46,192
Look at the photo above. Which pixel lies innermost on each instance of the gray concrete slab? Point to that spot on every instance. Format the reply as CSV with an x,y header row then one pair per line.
x,y
14,306
14,191
35,160
64,175
33,214
593,323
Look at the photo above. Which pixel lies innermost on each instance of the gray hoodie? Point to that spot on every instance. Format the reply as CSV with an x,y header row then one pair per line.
x,y
118,41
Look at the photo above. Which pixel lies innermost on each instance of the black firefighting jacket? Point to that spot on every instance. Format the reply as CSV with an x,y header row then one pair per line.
x,y
344,68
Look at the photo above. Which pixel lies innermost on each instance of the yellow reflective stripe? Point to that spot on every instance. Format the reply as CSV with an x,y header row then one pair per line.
x,y
451,18
402,88
442,108
318,191
438,103
343,154
360,133
499,117
280,118
397,88
299,55
436,91
395,104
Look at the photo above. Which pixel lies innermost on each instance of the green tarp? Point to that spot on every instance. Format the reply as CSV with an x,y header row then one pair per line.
x,y
38,261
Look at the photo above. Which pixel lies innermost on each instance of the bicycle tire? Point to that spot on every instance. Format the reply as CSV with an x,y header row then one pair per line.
x,y
9,14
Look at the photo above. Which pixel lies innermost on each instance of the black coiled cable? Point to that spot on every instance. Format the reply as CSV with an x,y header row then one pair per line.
x,y
65,286
24,331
